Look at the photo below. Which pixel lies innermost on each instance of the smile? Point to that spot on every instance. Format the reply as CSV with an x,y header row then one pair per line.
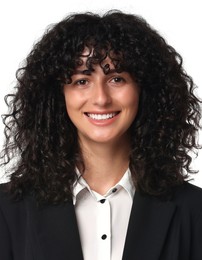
x,y
102,116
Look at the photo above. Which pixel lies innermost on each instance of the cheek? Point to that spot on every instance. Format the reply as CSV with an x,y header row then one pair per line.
x,y
130,98
132,104
73,101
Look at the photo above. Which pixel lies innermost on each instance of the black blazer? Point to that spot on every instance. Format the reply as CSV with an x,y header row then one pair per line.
x,y
157,230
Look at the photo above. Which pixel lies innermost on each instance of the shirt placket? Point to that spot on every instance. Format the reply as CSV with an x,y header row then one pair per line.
x,y
104,230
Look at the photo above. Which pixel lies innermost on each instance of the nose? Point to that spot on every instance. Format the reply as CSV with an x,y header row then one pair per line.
x,y
101,95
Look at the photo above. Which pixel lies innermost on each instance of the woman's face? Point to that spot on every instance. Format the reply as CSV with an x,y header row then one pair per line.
x,y
102,107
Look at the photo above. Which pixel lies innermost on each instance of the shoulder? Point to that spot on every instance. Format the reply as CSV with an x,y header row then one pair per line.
x,y
188,192
5,197
188,199
9,207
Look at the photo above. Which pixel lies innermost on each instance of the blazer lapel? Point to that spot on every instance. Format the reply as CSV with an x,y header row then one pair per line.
x,y
57,233
148,226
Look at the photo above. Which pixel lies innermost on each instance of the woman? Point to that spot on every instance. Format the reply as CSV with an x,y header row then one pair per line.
x,y
102,121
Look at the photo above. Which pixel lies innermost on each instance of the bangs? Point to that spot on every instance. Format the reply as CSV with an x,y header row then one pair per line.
x,y
102,54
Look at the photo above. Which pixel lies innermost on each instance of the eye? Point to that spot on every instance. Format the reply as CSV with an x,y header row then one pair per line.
x,y
81,82
118,80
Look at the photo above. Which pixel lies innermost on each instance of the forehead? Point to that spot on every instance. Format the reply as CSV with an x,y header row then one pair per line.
x,y
90,58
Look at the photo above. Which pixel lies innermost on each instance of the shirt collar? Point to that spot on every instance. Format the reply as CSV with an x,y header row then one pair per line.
x,y
126,182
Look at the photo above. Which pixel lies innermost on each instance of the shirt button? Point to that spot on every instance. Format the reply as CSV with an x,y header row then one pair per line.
x,y
114,190
104,237
102,201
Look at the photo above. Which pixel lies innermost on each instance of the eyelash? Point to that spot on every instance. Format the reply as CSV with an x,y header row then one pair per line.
x,y
81,82
115,80
120,79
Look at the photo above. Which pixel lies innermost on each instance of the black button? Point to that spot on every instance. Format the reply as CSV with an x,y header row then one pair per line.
x,y
114,190
104,237
102,201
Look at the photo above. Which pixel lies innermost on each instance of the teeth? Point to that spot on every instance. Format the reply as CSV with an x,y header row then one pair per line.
x,y
101,117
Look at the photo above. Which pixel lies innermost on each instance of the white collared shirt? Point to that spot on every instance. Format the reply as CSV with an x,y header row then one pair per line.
x,y
103,220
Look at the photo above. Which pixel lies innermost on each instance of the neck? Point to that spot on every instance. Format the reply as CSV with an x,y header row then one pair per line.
x,y
104,164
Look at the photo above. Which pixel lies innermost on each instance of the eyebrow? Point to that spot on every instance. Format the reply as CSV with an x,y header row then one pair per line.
x,y
83,72
88,72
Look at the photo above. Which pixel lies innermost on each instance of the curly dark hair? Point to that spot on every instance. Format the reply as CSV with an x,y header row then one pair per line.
x,y
39,132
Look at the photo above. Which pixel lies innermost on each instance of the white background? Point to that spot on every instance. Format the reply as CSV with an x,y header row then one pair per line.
x,y
22,22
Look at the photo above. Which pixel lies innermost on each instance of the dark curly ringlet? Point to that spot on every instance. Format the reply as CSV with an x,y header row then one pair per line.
x,y
40,131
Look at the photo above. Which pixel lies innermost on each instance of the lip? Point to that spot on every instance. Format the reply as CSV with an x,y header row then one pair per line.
x,y
102,112
102,122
